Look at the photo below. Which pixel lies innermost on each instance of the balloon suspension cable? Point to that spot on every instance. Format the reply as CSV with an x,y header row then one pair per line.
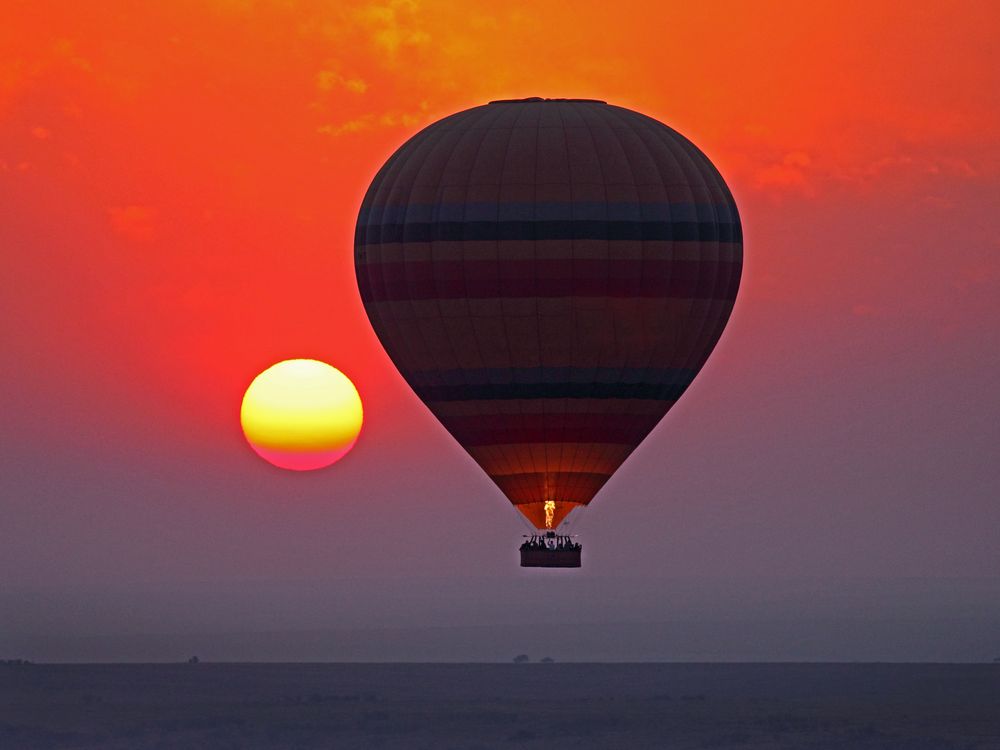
x,y
574,517
532,529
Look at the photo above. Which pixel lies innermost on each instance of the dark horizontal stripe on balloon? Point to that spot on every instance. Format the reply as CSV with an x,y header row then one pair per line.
x,y
551,375
453,231
415,280
473,211
554,428
548,250
663,392
488,408
564,487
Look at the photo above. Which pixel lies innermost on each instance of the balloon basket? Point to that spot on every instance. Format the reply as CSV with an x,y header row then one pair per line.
x,y
550,550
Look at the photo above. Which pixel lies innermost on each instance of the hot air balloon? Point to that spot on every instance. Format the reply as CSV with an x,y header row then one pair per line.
x,y
548,275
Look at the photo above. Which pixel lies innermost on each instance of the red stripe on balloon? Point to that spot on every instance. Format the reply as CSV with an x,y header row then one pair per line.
x,y
570,487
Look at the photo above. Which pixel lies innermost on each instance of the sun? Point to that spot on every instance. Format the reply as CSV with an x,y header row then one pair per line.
x,y
301,414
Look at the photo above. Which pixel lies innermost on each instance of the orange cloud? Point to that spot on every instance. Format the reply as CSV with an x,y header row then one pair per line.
x,y
393,25
792,173
327,80
136,223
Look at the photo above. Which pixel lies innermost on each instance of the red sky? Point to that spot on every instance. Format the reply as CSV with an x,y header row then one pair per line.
x,y
179,183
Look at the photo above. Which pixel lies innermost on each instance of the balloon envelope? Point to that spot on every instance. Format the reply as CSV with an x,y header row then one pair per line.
x,y
548,276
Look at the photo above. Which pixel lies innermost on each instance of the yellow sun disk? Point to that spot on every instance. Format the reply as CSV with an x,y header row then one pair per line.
x,y
301,405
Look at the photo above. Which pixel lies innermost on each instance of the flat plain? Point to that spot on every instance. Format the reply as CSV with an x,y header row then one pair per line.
x,y
468,706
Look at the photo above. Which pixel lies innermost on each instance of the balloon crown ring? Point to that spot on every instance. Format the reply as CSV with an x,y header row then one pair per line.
x,y
545,99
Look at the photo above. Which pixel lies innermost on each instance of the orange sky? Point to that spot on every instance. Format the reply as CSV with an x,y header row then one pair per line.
x,y
193,169
179,182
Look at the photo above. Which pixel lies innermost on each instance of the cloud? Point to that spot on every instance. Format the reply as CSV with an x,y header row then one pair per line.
x,y
356,125
21,166
954,167
328,80
373,120
393,26
937,202
136,223
978,273
66,50
798,173
917,165
790,174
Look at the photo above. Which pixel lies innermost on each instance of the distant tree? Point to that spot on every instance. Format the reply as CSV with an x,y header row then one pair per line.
x,y
547,660
997,660
193,660
522,659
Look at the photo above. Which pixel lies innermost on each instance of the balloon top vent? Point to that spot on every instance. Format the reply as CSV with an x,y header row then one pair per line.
x,y
541,99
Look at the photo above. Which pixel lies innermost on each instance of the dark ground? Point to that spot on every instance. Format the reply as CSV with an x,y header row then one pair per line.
x,y
858,706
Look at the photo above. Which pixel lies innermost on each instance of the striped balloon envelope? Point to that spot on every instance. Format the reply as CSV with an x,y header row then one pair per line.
x,y
548,275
